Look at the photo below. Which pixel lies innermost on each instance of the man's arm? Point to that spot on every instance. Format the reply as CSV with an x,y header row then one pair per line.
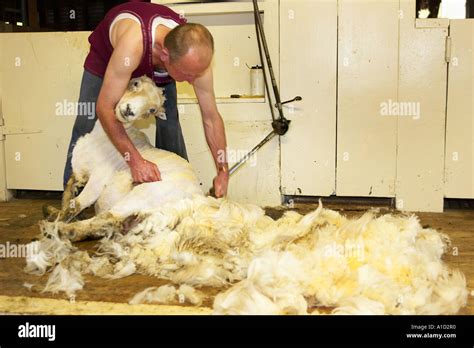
x,y
214,129
125,59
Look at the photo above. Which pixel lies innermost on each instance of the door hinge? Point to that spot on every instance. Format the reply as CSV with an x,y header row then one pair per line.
x,y
4,130
448,49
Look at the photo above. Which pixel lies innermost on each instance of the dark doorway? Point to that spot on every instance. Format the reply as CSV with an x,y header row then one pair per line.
x,y
53,15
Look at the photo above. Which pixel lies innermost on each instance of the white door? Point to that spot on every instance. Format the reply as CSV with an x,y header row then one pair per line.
x,y
308,56
459,173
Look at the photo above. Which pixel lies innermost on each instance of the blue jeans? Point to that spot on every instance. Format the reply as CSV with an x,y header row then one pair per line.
x,y
168,132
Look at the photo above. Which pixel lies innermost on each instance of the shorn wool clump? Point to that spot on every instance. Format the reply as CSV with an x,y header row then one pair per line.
x,y
370,265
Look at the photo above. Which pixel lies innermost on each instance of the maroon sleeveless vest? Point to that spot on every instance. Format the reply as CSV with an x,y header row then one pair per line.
x,y
101,48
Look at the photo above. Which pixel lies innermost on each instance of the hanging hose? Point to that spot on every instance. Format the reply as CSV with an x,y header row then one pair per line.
x,y
262,41
262,63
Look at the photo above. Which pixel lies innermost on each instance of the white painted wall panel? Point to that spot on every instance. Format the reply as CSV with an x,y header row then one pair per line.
x,y
367,78
4,193
459,174
308,39
41,70
423,79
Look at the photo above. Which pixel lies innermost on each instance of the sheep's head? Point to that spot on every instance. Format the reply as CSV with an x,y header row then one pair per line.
x,y
142,99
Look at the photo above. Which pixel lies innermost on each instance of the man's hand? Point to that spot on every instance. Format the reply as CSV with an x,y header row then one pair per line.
x,y
144,171
220,183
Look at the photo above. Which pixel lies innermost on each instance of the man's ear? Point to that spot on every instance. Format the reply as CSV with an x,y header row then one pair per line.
x,y
165,55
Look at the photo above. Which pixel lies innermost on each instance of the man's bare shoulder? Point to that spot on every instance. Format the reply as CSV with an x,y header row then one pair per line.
x,y
126,30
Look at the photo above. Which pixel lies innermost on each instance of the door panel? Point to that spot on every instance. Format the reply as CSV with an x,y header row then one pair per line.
x,y
421,139
367,82
309,70
459,174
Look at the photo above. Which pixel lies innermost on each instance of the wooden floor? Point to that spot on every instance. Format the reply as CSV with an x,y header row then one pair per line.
x,y
18,225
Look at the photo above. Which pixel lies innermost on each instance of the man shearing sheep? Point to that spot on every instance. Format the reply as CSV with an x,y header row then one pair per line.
x,y
139,38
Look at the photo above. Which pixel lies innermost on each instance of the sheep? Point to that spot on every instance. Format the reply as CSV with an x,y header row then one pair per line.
x,y
103,172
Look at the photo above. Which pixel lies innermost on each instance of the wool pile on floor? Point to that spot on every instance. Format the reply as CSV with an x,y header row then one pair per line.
x,y
370,265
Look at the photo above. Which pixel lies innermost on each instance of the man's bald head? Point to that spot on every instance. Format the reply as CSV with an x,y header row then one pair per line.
x,y
186,37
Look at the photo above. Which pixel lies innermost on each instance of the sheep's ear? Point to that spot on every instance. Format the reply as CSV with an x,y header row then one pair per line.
x,y
134,84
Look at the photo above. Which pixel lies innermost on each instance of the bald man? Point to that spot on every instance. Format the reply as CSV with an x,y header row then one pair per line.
x,y
136,39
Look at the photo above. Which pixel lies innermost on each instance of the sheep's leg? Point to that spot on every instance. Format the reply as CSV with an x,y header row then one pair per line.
x,y
96,227
69,193
50,213
93,228
91,192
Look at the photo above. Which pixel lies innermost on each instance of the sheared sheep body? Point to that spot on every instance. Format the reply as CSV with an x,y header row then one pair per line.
x,y
105,176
